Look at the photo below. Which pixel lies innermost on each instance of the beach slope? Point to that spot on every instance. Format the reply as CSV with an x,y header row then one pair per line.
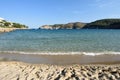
x,y
12,70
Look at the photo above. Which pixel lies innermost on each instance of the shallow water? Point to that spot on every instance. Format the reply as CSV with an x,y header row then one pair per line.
x,y
85,41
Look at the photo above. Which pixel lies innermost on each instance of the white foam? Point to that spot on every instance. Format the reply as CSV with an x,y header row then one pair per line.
x,y
64,53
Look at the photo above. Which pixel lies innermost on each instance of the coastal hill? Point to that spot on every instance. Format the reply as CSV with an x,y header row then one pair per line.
x,y
75,25
104,24
6,26
98,24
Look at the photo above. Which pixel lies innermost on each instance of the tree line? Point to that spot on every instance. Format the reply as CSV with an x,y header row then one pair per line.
x,y
6,24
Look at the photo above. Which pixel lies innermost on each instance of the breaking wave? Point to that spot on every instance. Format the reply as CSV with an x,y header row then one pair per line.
x,y
63,53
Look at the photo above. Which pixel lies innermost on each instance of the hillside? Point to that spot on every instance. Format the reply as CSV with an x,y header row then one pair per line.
x,y
98,24
6,26
104,24
76,25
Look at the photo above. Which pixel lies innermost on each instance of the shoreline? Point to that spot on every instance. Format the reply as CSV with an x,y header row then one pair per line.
x,y
9,29
61,59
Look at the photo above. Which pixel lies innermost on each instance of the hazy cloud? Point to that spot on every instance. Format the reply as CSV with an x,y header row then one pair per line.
x,y
106,3
102,5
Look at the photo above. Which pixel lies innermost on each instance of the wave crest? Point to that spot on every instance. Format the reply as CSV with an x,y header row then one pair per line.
x,y
63,53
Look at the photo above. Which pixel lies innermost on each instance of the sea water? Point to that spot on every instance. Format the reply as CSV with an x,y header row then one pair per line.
x,y
53,42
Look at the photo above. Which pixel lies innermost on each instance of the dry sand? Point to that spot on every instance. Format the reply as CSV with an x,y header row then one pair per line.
x,y
59,67
24,71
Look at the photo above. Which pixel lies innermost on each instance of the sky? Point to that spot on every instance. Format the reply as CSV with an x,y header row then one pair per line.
x,y
35,13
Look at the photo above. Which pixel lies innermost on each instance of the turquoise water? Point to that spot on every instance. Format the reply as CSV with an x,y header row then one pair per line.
x,y
60,41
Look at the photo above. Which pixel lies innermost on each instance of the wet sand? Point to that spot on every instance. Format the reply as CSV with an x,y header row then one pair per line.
x,y
61,59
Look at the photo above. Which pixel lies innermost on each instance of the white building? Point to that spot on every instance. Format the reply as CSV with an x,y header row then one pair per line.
x,y
1,19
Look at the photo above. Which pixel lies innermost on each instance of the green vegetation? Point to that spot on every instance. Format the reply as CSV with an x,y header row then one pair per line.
x,y
104,24
17,25
5,24
78,25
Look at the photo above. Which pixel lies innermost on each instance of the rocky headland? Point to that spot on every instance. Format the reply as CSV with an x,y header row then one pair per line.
x,y
6,26
74,25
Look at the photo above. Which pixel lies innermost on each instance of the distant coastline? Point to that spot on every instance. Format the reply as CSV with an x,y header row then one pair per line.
x,y
113,23
98,24
9,29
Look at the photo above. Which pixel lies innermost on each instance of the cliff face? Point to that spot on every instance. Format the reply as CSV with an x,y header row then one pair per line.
x,y
46,27
98,24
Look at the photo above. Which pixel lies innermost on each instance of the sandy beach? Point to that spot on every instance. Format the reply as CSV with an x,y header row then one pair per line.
x,y
59,67
24,71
